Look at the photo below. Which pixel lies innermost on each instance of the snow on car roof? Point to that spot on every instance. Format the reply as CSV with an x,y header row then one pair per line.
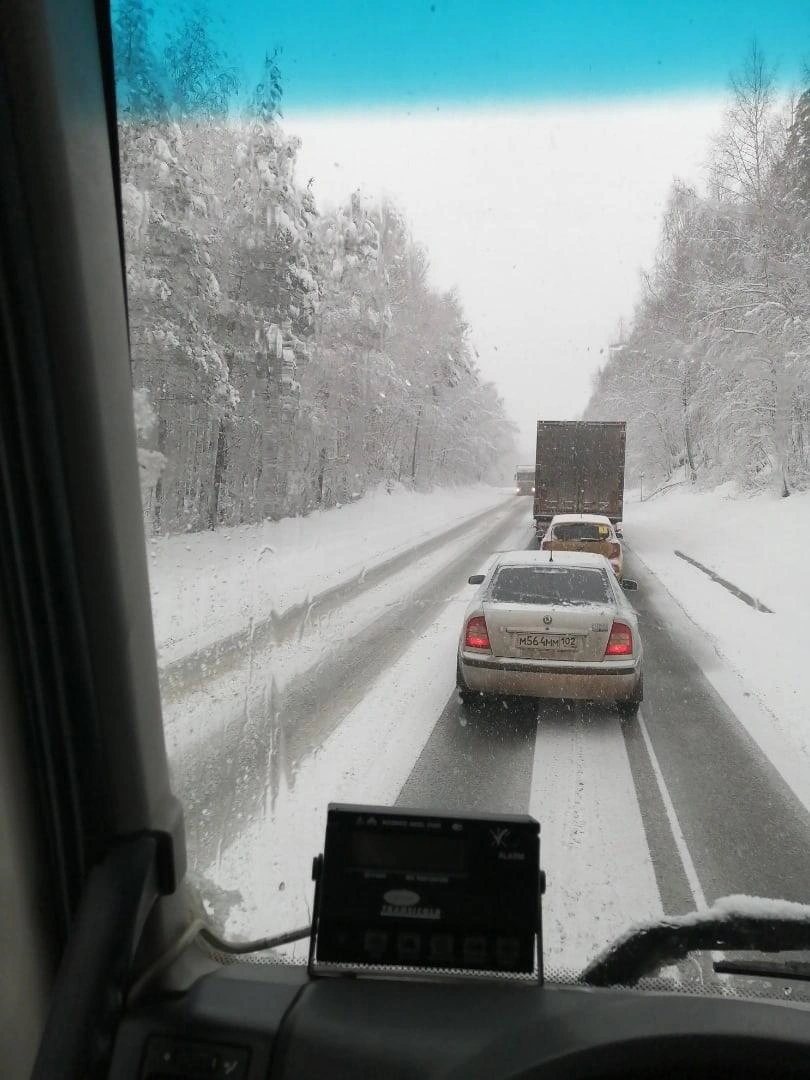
x,y
561,558
596,519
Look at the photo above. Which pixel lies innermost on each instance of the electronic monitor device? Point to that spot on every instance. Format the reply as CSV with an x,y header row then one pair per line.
x,y
426,891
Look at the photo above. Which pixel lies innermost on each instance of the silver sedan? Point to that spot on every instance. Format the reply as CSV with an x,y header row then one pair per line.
x,y
552,625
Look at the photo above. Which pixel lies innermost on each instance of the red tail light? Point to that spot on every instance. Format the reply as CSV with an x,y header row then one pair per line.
x,y
477,635
614,551
620,642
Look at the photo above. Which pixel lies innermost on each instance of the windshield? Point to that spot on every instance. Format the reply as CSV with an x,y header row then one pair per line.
x,y
549,585
376,256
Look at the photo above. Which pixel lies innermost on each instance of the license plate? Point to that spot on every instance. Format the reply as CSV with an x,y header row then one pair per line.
x,y
550,642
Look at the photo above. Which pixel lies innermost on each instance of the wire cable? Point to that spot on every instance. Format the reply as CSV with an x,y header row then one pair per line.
x,y
197,927
241,948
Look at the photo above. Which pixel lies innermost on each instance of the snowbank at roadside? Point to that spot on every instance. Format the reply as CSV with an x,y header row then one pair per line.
x,y
760,544
206,586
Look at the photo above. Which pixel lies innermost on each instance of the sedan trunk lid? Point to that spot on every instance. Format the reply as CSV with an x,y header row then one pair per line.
x,y
549,632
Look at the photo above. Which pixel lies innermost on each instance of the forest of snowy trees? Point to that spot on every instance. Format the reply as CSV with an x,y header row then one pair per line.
x,y
284,358
713,373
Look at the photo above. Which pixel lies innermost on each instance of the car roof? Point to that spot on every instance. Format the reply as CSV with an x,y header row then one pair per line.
x,y
587,559
596,519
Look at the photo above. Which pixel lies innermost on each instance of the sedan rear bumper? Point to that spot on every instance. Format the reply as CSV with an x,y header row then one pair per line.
x,y
608,681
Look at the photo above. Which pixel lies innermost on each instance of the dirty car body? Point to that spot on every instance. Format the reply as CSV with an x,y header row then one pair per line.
x,y
551,625
585,532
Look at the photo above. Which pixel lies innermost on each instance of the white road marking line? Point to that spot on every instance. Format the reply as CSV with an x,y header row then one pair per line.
x,y
675,826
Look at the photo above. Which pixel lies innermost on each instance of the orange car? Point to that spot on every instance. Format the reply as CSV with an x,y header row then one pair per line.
x,y
585,532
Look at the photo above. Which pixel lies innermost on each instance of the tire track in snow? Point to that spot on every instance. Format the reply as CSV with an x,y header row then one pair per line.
x,y
593,846
477,760
746,598
180,677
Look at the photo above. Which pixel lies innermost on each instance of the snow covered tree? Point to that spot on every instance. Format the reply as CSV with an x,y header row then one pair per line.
x,y
138,73
713,373
283,359
202,80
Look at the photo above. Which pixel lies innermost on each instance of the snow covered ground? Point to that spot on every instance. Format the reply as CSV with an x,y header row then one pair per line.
x,y
265,854
593,844
207,586
367,759
223,701
760,544
601,877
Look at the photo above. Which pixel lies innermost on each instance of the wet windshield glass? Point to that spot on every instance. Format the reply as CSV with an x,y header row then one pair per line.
x,y
382,261
549,585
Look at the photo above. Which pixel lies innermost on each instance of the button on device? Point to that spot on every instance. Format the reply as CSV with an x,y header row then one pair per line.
x,y
507,952
441,948
375,942
233,1065
408,946
168,1058
197,1061
474,950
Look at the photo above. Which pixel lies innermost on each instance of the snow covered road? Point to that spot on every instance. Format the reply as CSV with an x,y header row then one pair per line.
x,y
241,740
661,816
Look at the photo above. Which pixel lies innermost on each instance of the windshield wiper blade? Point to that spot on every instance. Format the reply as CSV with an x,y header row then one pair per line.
x,y
736,923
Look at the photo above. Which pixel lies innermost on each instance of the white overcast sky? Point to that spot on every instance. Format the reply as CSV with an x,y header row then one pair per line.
x,y
540,216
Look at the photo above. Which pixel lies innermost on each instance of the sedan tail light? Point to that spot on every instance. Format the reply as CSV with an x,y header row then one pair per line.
x,y
477,635
620,642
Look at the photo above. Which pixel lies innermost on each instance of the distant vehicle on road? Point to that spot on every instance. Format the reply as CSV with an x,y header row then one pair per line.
x,y
551,625
524,480
585,532
579,469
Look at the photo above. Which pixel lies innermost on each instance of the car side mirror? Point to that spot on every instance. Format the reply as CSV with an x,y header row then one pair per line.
x,y
476,579
620,534
629,585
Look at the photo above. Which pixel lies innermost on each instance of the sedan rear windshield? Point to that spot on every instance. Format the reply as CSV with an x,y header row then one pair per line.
x,y
581,530
550,585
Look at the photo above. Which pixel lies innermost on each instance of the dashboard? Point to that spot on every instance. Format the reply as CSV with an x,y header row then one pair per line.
x,y
251,1022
